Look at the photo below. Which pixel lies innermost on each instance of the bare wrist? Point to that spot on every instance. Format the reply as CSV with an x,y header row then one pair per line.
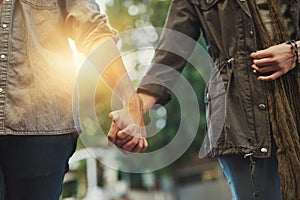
x,y
148,101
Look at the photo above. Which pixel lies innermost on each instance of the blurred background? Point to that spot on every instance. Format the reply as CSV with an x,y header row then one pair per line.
x,y
189,177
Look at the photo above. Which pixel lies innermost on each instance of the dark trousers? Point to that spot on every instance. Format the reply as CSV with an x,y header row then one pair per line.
x,y
33,167
266,178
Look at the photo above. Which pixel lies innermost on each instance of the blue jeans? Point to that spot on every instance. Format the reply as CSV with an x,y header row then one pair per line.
x,y
237,171
33,167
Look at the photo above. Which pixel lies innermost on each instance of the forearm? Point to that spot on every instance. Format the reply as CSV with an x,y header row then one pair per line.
x,y
96,39
113,71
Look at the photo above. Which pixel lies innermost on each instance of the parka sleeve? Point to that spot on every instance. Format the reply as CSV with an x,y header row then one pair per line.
x,y
85,24
177,42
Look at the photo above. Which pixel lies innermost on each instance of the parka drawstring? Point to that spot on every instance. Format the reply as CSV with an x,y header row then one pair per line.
x,y
252,171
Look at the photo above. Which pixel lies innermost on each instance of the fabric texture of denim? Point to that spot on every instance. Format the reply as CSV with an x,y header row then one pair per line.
x,y
37,73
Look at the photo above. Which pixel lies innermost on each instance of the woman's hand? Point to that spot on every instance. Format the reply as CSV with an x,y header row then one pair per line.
x,y
128,130
273,62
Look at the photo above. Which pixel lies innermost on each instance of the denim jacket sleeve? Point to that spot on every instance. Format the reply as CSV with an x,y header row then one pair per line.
x,y
181,30
38,76
85,24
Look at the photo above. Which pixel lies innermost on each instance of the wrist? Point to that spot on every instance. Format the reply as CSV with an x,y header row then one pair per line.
x,y
298,44
135,102
294,47
125,91
148,101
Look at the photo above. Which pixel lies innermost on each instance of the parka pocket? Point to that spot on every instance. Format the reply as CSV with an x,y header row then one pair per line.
x,y
205,4
42,4
214,90
215,110
215,98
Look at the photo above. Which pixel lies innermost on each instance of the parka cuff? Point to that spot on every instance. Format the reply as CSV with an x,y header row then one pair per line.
x,y
162,93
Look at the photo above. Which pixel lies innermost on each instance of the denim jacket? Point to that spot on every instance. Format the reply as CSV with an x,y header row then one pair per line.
x,y
237,116
37,73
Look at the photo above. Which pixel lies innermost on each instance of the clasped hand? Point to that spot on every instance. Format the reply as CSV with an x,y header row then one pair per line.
x,y
128,130
273,62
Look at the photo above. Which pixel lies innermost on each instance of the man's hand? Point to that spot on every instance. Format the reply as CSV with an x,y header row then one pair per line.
x,y
128,130
273,62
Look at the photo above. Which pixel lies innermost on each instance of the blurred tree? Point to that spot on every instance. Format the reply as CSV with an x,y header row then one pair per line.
x,y
129,14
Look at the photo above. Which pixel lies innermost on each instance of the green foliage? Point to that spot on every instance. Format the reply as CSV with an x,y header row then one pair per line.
x,y
129,14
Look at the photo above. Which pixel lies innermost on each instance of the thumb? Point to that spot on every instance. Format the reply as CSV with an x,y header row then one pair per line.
x,y
112,134
114,116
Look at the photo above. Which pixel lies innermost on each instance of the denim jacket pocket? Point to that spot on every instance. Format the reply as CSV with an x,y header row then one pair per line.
x,y
42,4
205,4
